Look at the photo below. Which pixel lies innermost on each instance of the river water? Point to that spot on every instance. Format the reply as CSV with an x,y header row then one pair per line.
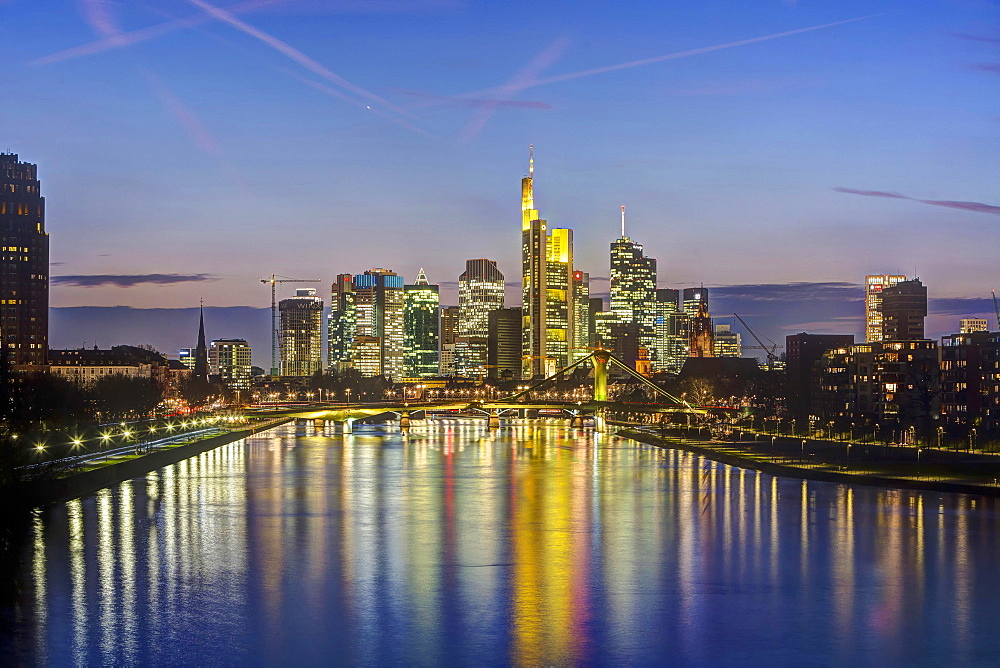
x,y
538,544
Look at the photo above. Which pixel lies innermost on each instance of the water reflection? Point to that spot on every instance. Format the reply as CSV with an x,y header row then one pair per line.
x,y
535,544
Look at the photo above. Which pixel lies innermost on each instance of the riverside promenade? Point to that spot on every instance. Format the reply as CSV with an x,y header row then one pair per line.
x,y
881,465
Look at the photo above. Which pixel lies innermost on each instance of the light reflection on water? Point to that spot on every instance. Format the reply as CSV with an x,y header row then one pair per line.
x,y
536,544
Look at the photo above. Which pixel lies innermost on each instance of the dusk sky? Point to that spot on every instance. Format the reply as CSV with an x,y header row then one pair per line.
x,y
188,148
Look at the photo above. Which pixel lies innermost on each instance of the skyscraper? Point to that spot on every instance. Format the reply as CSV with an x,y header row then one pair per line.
x,y
874,285
672,331
300,334
581,344
633,285
24,264
342,323
503,350
480,290
379,299
547,287
449,334
904,307
421,307
727,342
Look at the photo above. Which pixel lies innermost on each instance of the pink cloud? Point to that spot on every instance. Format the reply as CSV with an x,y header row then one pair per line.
x,y
977,207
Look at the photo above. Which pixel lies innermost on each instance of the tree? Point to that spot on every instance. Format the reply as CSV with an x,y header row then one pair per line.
x,y
119,397
198,392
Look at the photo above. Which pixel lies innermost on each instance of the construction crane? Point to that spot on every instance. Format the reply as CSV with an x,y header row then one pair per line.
x,y
769,350
274,280
996,308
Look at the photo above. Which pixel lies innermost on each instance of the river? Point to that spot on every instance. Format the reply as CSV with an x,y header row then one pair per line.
x,y
538,544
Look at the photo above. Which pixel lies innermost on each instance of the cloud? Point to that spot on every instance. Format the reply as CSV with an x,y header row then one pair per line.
x,y
839,291
128,280
977,207
977,38
870,193
986,67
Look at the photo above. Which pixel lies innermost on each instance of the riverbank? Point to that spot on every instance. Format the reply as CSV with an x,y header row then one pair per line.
x,y
941,471
77,484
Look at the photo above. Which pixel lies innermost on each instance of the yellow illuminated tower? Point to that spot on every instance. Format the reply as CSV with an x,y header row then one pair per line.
x,y
546,288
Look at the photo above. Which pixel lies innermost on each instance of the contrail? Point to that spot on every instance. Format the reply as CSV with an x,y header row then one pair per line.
x,y
523,79
121,39
673,56
292,53
333,92
187,118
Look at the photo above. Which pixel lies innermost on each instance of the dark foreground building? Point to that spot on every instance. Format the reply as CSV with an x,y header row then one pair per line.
x,y
24,264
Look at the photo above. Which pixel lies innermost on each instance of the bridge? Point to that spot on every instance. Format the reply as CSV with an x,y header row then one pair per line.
x,y
598,407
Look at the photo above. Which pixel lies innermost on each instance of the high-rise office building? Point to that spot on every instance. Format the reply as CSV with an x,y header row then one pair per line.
x,y
186,357
422,305
693,299
300,333
547,288
480,290
874,285
582,319
727,342
633,286
904,307
342,324
449,334
503,347
24,264
379,299
672,331
230,359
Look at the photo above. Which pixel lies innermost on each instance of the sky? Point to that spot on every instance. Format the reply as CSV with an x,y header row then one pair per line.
x,y
776,151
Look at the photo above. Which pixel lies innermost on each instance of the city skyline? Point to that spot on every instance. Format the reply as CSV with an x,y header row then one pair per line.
x,y
747,143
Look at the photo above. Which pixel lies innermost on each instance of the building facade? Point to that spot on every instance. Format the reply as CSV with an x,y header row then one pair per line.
x,y
503,344
874,285
480,291
232,362
904,307
379,300
970,384
300,334
727,342
547,288
342,324
24,264
633,286
421,327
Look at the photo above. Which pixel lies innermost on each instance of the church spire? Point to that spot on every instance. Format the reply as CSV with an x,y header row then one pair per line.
x,y
201,352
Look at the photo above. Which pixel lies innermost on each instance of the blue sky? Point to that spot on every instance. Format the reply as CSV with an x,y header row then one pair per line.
x,y
238,141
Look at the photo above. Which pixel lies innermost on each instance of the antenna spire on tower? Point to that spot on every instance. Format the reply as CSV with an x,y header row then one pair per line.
x,y
623,221
531,161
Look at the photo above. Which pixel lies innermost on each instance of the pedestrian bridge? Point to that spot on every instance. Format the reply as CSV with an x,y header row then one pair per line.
x,y
597,408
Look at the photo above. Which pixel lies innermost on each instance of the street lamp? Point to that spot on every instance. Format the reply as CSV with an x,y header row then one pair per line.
x,y
972,439
940,434
348,390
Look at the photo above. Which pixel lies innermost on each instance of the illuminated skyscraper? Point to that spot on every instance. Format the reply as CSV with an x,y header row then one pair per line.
x,y
672,331
379,298
420,328
449,334
874,285
300,333
24,264
693,299
342,324
633,286
547,288
480,290
581,316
